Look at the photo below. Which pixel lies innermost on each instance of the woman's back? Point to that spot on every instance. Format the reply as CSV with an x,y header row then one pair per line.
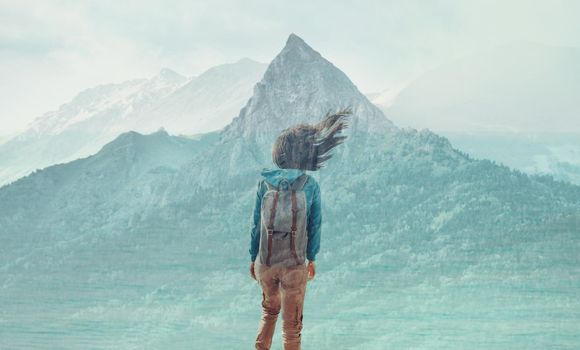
x,y
303,147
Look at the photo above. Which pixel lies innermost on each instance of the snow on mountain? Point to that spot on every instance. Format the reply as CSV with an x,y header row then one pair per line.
x,y
111,102
98,115
79,128
206,103
518,87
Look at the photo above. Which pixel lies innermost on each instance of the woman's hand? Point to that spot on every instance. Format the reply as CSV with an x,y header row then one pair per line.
x,y
252,271
311,270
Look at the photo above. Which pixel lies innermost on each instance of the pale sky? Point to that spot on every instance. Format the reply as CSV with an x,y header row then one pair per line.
x,y
51,50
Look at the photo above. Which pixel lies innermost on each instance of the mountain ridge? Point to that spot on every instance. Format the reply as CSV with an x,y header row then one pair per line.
x,y
97,115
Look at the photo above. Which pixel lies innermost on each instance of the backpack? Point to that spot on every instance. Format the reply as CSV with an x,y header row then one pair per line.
x,y
283,235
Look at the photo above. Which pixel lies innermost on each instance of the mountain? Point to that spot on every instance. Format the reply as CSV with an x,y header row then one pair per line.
x,y
518,87
82,126
300,86
104,106
206,103
423,246
519,96
84,190
98,115
554,154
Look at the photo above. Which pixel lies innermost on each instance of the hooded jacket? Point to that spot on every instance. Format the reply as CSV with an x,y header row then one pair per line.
x,y
313,208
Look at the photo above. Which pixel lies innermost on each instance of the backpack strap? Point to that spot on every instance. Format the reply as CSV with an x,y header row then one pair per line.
x,y
294,214
271,225
299,183
269,185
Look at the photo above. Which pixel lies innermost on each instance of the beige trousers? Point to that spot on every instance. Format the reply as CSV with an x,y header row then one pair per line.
x,y
283,288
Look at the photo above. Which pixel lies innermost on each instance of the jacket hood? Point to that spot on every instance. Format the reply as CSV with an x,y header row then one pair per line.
x,y
274,175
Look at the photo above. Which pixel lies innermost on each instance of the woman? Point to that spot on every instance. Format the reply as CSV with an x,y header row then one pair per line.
x,y
297,149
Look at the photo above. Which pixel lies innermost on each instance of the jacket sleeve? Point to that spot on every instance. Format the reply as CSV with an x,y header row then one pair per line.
x,y
314,225
255,232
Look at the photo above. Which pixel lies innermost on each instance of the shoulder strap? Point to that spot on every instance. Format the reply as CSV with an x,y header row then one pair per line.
x,y
271,226
270,186
300,182
297,185
293,236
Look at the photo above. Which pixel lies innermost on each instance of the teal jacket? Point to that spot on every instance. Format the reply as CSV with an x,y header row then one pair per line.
x,y
313,209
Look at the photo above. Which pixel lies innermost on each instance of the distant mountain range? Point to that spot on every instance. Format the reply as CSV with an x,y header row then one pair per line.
x,y
518,87
98,115
146,242
516,104
515,87
554,154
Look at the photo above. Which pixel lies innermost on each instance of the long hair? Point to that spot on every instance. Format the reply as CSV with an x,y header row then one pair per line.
x,y
308,147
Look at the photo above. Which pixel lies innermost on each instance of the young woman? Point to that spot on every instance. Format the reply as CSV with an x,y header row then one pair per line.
x,y
297,149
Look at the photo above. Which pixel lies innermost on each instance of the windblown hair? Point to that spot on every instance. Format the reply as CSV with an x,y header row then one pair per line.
x,y
308,147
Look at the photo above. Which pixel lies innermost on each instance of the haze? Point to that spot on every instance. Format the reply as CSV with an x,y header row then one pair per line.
x,y
51,50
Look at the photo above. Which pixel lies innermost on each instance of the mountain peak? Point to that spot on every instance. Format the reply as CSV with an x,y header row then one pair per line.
x,y
169,75
300,86
247,60
294,40
131,141
161,131
297,48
